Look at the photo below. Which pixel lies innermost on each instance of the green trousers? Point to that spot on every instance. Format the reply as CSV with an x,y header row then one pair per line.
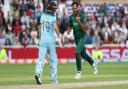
x,y
81,52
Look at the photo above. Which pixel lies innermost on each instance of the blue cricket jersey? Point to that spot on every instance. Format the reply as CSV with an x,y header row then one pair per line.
x,y
47,28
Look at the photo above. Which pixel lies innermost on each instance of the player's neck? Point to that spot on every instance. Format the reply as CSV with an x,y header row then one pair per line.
x,y
51,12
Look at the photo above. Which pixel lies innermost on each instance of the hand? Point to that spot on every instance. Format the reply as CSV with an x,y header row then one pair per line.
x,y
78,18
61,42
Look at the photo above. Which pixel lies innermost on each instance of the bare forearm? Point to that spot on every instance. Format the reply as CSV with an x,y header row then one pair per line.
x,y
57,32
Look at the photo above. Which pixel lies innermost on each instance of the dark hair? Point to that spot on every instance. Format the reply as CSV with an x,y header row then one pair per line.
x,y
75,3
50,8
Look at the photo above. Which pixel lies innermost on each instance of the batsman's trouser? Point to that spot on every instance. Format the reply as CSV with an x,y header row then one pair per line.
x,y
43,47
80,51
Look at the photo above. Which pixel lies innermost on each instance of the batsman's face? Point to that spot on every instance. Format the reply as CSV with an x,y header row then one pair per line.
x,y
75,9
54,10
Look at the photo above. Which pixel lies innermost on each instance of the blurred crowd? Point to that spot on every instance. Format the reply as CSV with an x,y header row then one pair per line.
x,y
19,22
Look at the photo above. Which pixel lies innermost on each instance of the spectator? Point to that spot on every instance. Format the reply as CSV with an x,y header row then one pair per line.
x,y
8,42
2,38
25,18
8,27
25,42
23,7
16,42
45,5
15,12
37,14
30,12
68,37
31,5
34,36
2,21
107,34
63,23
16,28
22,33
40,6
8,18
93,22
3,54
96,38
9,37
61,9
15,3
115,36
1,4
89,36
110,20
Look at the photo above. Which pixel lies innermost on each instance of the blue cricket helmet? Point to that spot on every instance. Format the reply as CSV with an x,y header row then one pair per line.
x,y
52,5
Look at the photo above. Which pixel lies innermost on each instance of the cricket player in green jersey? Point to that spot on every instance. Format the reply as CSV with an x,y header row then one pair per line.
x,y
77,22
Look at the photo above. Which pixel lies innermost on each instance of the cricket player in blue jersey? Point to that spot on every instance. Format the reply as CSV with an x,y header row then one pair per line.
x,y
47,42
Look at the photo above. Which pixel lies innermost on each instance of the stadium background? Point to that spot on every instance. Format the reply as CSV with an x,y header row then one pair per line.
x,y
19,28
19,35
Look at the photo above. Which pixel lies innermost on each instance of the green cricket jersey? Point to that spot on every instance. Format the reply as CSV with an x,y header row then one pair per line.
x,y
78,33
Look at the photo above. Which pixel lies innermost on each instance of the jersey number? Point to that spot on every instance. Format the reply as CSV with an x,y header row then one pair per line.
x,y
46,25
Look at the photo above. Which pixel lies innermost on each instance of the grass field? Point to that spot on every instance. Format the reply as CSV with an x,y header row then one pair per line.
x,y
23,74
106,87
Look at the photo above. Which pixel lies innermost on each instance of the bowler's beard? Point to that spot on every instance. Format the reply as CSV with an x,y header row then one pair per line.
x,y
75,13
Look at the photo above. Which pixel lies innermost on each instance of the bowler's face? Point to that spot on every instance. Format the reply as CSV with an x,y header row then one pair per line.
x,y
75,9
